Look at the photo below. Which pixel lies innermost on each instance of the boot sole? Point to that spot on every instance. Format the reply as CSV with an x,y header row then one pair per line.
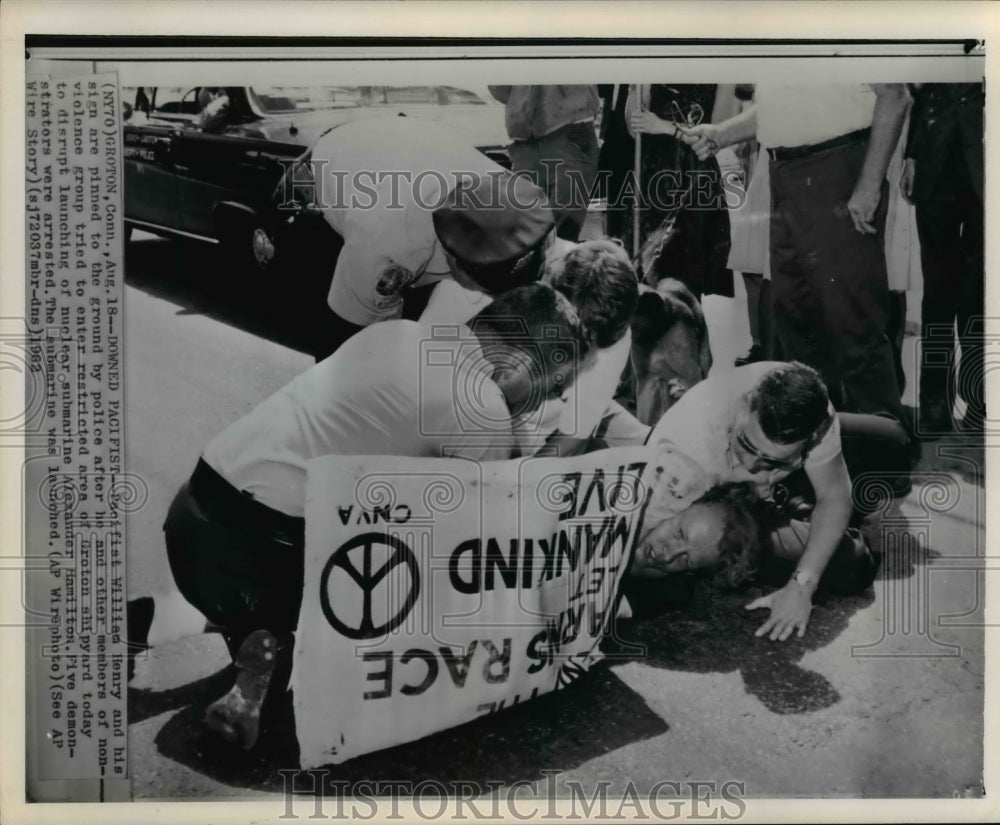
x,y
236,716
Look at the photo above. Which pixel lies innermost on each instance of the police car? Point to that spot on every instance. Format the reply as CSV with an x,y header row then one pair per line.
x,y
202,162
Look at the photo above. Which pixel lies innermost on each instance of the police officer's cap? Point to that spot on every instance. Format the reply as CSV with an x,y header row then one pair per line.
x,y
494,227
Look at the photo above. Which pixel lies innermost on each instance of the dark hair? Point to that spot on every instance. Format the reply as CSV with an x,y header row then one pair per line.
x,y
739,546
791,404
541,323
658,310
599,279
744,92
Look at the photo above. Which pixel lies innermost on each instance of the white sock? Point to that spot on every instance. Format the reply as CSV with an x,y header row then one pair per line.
x,y
174,617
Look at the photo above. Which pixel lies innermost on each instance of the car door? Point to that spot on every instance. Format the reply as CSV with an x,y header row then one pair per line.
x,y
148,152
229,168
225,169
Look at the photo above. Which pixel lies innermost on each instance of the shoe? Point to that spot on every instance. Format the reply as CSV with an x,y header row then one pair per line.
x,y
236,716
934,421
752,357
138,620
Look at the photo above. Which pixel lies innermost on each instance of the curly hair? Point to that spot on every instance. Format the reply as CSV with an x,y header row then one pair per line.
x,y
791,403
599,279
739,546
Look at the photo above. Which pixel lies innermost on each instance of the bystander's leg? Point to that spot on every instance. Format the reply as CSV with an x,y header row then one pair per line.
x,y
950,224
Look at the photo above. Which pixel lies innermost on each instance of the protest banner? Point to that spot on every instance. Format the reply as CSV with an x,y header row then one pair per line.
x,y
442,590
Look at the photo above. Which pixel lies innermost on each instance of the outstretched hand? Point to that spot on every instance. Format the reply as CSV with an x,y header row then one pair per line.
x,y
703,139
645,122
790,608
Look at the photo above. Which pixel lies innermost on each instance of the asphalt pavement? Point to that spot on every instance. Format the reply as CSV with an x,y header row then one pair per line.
x,y
882,698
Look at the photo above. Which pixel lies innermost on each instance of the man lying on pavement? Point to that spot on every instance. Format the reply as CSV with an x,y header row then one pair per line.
x,y
771,424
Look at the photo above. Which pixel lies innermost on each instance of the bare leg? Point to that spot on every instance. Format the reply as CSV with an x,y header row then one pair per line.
x,y
754,285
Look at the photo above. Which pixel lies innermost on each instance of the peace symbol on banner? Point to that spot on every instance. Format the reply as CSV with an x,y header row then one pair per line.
x,y
380,555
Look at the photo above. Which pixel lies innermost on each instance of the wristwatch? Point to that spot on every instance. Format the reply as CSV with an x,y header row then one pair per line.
x,y
805,579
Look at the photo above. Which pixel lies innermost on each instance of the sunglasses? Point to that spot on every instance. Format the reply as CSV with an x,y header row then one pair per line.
x,y
766,462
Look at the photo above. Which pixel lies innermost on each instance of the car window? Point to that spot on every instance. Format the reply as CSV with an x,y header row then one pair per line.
x,y
273,100
174,103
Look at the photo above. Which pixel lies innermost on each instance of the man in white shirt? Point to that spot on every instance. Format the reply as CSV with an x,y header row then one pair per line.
x,y
829,147
414,206
600,281
758,424
235,531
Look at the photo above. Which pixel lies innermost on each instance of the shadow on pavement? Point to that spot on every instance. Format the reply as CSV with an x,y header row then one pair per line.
x,y
196,277
559,731
956,454
711,631
144,703
715,635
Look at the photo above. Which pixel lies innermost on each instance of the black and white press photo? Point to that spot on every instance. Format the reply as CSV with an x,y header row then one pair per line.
x,y
429,424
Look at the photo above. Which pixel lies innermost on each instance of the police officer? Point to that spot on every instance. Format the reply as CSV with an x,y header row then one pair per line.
x,y
414,205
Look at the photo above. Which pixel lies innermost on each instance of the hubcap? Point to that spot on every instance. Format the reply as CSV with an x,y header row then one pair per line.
x,y
262,247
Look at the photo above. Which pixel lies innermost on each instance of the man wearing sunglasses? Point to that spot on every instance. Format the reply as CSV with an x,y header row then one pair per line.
x,y
771,424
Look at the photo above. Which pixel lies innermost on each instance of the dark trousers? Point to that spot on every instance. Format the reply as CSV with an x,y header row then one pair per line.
x,y
876,452
950,226
831,290
896,333
564,165
237,561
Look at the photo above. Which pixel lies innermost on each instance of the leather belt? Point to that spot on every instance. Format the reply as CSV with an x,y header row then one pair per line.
x,y
217,496
780,153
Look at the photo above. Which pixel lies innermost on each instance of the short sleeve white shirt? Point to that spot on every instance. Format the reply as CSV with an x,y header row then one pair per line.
x,y
701,425
382,179
398,388
791,114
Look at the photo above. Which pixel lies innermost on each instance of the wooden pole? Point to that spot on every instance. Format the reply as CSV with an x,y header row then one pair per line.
x,y
637,172
637,102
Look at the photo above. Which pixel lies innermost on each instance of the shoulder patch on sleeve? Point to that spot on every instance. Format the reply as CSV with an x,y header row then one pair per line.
x,y
392,279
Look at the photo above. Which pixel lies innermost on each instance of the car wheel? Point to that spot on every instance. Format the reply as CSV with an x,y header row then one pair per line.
x,y
250,246
262,250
